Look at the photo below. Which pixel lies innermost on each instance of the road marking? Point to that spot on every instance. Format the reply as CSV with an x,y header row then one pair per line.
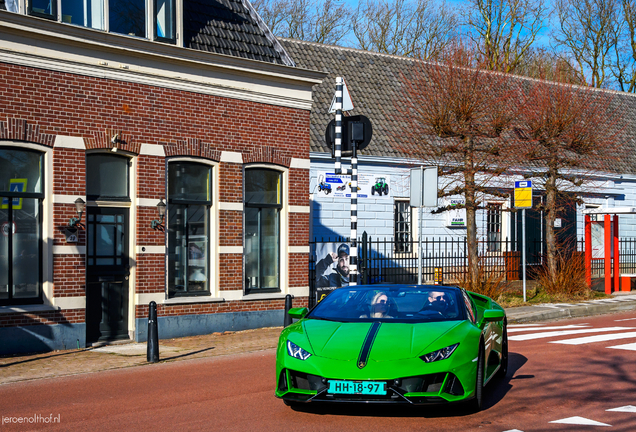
x,y
571,326
628,408
580,421
626,319
513,430
597,338
566,333
525,325
629,347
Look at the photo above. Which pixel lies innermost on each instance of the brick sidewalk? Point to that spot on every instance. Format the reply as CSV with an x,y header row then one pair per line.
x,y
72,362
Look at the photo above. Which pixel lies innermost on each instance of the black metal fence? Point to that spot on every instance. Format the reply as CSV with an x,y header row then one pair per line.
x,y
384,261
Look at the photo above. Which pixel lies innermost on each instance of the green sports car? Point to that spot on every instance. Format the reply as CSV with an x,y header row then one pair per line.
x,y
393,344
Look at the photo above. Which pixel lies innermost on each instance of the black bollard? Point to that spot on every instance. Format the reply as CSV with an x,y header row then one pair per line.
x,y
288,306
153,335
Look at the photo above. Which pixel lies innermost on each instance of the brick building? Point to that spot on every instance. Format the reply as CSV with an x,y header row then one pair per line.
x,y
126,105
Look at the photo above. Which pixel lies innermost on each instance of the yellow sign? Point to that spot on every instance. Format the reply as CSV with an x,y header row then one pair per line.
x,y
523,194
15,185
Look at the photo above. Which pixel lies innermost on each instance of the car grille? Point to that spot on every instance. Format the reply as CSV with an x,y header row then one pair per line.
x,y
431,383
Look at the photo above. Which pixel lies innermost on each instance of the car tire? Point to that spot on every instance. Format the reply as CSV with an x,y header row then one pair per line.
x,y
503,368
477,402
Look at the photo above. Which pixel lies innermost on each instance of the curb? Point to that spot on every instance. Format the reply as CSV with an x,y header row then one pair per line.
x,y
576,311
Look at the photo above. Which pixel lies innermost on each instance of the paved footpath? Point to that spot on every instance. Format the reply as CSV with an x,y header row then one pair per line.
x,y
73,362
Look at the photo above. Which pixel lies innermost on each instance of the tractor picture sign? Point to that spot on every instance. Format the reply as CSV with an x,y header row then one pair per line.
x,y
370,186
380,187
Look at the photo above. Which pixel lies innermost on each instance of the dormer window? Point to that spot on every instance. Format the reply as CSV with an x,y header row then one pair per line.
x,y
129,17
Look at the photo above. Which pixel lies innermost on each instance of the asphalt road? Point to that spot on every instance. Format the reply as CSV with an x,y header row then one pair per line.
x,y
548,381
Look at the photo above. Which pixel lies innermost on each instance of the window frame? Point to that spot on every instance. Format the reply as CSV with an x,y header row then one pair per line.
x,y
39,196
406,211
129,163
281,227
211,240
54,15
150,19
156,37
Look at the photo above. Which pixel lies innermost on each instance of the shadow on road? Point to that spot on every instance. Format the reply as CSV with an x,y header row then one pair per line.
x,y
187,354
494,393
44,357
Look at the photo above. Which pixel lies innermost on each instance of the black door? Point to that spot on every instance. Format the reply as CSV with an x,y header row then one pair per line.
x,y
107,272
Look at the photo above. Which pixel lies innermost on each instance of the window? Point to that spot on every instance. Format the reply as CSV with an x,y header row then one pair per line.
x,y
402,226
87,13
43,8
118,16
189,201
107,177
493,227
165,21
263,204
21,194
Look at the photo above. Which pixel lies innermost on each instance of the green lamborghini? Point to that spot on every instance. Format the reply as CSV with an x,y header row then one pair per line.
x,y
393,344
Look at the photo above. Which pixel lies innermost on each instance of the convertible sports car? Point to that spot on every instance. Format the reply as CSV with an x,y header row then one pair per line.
x,y
393,344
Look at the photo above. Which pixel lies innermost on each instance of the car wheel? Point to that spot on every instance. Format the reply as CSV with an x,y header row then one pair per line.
x,y
477,402
503,368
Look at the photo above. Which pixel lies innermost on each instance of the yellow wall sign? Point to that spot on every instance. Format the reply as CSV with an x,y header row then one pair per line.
x,y
523,194
15,185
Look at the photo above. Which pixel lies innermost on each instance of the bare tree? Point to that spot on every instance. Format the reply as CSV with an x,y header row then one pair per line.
x,y
624,68
504,30
422,28
546,64
454,114
326,22
569,132
588,30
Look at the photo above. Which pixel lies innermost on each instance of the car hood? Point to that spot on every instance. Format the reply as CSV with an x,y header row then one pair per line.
x,y
393,341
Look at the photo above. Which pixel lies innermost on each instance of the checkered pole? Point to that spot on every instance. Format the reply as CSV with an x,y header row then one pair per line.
x,y
353,250
338,138
353,256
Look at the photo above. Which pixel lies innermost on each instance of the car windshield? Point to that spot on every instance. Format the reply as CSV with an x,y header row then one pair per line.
x,y
391,303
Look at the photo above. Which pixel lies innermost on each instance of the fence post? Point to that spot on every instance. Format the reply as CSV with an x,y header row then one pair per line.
x,y
363,264
288,306
152,349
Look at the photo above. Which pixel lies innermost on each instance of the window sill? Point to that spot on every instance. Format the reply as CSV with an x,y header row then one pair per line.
x,y
193,299
264,296
27,309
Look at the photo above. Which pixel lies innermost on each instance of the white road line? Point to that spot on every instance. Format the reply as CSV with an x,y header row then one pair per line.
x,y
525,325
626,319
629,347
628,408
580,421
571,326
566,333
597,338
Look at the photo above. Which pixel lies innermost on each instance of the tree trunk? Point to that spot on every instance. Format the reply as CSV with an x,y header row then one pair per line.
x,y
471,220
550,217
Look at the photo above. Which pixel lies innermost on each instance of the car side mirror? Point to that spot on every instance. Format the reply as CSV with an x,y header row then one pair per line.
x,y
298,313
491,315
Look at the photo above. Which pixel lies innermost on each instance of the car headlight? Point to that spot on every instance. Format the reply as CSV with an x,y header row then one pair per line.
x,y
297,352
440,354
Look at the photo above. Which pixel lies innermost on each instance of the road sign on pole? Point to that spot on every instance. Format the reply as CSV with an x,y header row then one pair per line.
x,y
523,200
423,194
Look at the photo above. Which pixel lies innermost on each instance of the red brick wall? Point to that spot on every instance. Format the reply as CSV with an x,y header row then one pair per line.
x,y
221,307
38,104
70,316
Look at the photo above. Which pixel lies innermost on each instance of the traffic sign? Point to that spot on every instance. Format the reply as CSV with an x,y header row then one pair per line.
x,y
523,194
356,128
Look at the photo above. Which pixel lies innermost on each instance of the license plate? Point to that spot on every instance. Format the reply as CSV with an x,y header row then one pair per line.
x,y
357,387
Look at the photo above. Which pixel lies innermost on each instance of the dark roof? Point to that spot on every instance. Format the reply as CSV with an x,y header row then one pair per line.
x,y
230,27
374,82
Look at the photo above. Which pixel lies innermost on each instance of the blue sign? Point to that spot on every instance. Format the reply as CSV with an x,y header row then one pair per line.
x,y
523,184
